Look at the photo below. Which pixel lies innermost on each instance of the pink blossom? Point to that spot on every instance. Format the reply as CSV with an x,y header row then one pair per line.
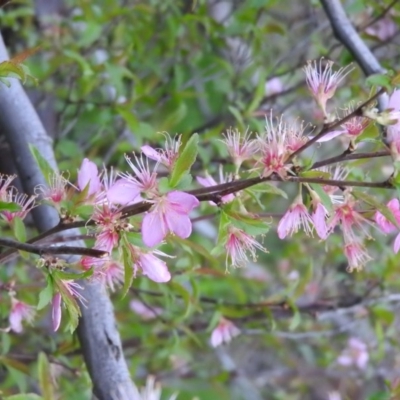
x,y
144,311
25,202
88,175
383,29
322,81
296,216
386,226
238,245
356,353
5,182
318,217
352,128
151,266
169,214
123,192
383,223
55,192
209,181
112,274
20,311
166,156
350,219
240,146
224,332
393,131
280,140
56,311
274,86
356,255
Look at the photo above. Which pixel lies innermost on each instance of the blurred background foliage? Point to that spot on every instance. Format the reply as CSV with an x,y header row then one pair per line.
x,y
114,75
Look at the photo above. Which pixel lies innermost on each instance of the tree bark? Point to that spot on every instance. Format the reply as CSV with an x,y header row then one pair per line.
x,y
97,331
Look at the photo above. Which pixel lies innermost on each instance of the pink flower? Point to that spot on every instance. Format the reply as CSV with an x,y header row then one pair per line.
x,y
169,214
350,219
112,274
238,244
356,255
393,131
296,216
318,217
154,268
383,29
144,311
20,312
322,81
55,192
88,175
276,145
356,354
274,86
165,156
240,146
383,223
25,202
351,128
224,332
129,189
5,182
386,226
209,181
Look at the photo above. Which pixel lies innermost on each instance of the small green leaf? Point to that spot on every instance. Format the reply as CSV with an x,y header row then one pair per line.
x,y
185,295
185,161
325,198
380,80
46,294
18,228
58,274
24,396
11,207
128,270
382,208
45,380
44,166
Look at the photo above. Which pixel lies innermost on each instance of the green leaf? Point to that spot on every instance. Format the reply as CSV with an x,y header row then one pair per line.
x,y
185,161
382,208
325,198
18,228
24,396
58,274
238,116
45,380
46,294
185,295
11,207
249,223
380,80
44,166
128,270
19,366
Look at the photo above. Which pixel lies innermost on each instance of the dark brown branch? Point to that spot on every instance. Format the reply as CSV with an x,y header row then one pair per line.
x,y
43,250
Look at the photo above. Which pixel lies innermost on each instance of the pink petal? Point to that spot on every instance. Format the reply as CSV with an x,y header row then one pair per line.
x,y
89,174
330,136
207,181
123,192
216,337
151,153
394,100
182,202
319,221
154,268
56,311
284,225
179,224
153,229
15,320
396,245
